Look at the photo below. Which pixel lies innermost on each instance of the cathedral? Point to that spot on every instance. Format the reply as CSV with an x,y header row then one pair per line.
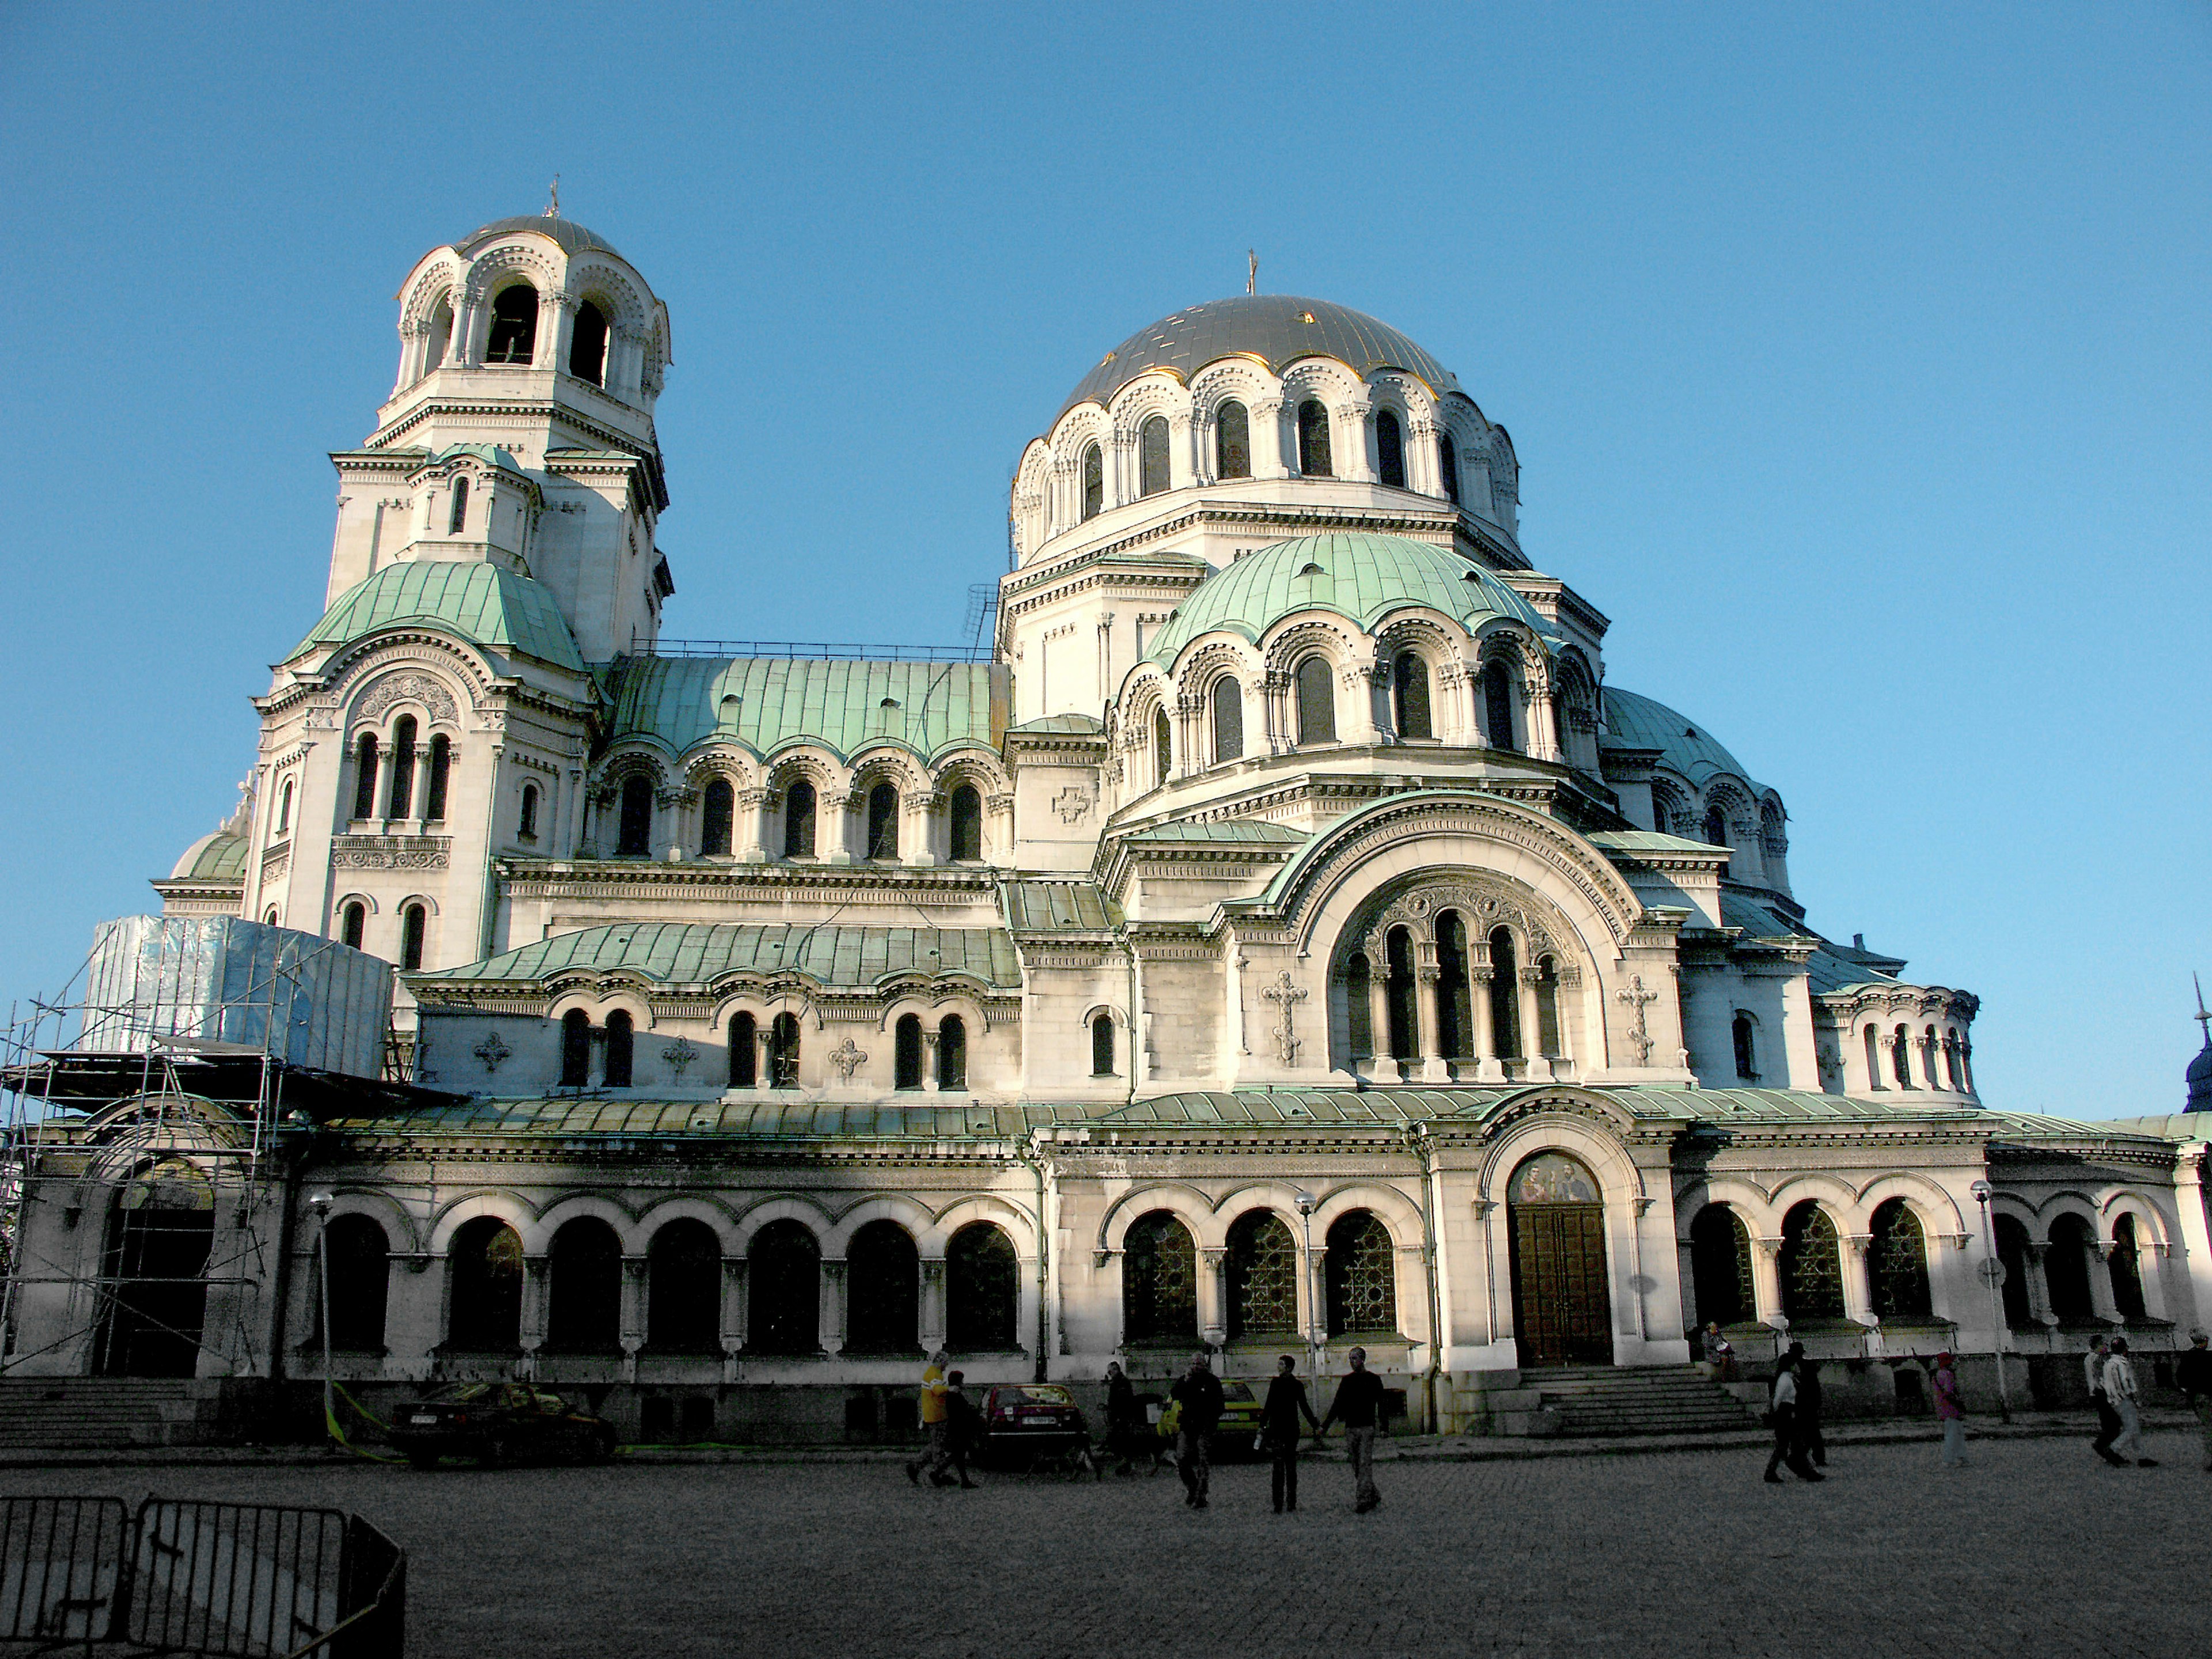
x,y
1277,935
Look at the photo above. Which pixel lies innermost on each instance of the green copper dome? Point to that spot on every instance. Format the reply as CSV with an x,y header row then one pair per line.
x,y
480,603
1362,577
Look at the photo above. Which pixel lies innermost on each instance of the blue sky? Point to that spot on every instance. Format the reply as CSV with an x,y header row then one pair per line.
x,y
1858,359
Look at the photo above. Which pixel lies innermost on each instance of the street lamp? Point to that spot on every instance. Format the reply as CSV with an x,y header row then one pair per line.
x,y
321,1204
1993,1275
1308,1204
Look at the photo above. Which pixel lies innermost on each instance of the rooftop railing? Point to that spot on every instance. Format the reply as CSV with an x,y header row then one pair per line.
x,y
816,651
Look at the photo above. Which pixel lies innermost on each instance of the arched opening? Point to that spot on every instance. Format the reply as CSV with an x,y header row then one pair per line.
x,y
1900,1056
783,1052
981,1277
952,1053
1313,441
513,336
1551,1035
361,1272
1715,829
1263,1271
1951,1059
1448,465
2127,1271
798,821
967,824
1811,1266
355,924
883,1278
440,342
1455,1006
526,825
457,515
883,822
906,1053
783,1270
1409,697
1358,1006
583,1305
1362,1276
587,344
414,929
683,1289
1159,1281
1163,755
1094,481
2013,1253
1561,1310
441,766
1232,441
364,776
1498,687
484,1311
745,1051
161,1230
1747,1051
718,812
2066,1272
1897,1264
1873,1058
1504,988
1720,1266
399,793
285,809
634,831
622,1047
1228,721
1317,701
1153,456
575,1048
1389,449
1398,994
1101,1045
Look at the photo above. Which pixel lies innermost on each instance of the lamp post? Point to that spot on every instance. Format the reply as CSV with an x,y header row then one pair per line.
x,y
1308,1204
321,1204
1993,1275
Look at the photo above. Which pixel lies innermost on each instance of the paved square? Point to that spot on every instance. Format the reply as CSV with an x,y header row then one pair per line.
x,y
2035,1549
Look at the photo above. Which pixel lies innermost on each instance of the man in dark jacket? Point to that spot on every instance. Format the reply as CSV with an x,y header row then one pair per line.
x,y
1279,1430
1358,1402
2192,1375
964,1425
1198,1395
1806,1429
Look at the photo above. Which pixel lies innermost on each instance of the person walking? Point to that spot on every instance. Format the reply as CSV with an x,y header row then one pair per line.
x,y
2120,1390
2108,1420
1720,1354
1123,1417
934,1457
1781,1413
1358,1404
1279,1430
1806,1427
1199,1401
1951,1412
963,1430
2192,1375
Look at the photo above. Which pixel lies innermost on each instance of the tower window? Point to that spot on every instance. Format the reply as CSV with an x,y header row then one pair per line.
x,y
1389,449
1715,825
284,808
513,336
1448,464
1153,456
1162,752
413,923
1094,481
1358,1006
783,1052
634,834
401,795
798,821
1900,1055
883,822
622,1046
1232,441
364,776
456,519
1747,1048
1228,721
745,1051
717,811
441,764
1313,441
1498,705
1409,695
1101,1045
952,1053
527,828
575,1048
355,924
1548,1038
906,1053
1504,997
441,335
587,344
1316,702
967,824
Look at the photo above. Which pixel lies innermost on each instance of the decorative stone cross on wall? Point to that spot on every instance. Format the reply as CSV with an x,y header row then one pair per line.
x,y
679,1055
491,1051
1639,999
847,1059
1286,996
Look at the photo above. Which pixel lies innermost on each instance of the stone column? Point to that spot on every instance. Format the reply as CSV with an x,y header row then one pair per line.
x,y
832,1315
633,1312
929,1058
536,1278
2039,1287
1213,1297
1767,1280
933,1320
1352,435
1181,454
745,838
1536,716
1313,1301
918,840
833,840
1269,458
735,1311
1428,979
1480,975
1381,1067
1424,471
1539,1069
1858,1288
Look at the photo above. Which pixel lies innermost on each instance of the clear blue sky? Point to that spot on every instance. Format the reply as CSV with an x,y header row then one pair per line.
x,y
1856,358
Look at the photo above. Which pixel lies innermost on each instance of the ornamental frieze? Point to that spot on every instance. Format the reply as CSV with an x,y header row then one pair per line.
x,y
390,852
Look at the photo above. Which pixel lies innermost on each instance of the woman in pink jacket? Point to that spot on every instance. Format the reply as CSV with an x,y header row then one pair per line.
x,y
1950,1413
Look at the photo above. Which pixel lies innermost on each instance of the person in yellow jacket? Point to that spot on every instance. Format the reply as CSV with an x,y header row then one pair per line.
x,y
936,1423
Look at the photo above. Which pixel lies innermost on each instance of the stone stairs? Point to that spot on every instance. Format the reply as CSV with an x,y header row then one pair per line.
x,y
104,1413
1598,1400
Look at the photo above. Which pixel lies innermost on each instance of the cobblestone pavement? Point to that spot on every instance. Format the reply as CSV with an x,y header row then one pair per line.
x,y
2034,1549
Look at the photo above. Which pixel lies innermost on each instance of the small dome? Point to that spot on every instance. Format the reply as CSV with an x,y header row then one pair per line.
x,y
1637,722
1277,329
2199,1079
572,236
1360,576
219,856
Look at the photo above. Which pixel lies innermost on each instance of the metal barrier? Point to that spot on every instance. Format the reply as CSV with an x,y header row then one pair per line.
x,y
238,1581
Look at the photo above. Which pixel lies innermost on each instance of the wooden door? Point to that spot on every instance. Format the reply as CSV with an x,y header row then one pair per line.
x,y
1562,1315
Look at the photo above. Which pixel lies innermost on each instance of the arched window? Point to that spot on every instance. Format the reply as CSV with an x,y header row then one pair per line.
x,y
1448,464
364,776
1094,481
906,1053
575,1048
414,924
1389,449
513,337
1900,1056
355,924
952,1052
1232,441
718,810
982,1278
883,822
1398,994
1358,1006
1228,719
622,1043
783,1270
1262,1264
399,795
1163,754
744,1051
526,827
2066,1272
441,766
285,809
583,1310
1720,1266
1811,1266
1409,695
1153,456
587,344
1313,441
967,824
882,1290
1159,1281
484,1311
634,830
1550,1041
361,1269
457,517
798,821
2127,1271
1361,1271
783,1052
2011,1251
1101,1045
1504,989
440,339
1897,1263
1951,1059
1317,701
269,916
1715,829
683,1289
1747,1052
1455,1011
1498,706
1874,1058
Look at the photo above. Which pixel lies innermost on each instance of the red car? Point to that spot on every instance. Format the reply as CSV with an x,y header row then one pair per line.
x,y
1027,1422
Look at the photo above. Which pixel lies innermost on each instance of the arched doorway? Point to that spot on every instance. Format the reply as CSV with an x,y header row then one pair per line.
x,y
1720,1266
159,1235
1562,1315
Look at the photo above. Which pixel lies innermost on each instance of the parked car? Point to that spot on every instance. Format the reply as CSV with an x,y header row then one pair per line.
x,y
1233,1435
1026,1423
498,1423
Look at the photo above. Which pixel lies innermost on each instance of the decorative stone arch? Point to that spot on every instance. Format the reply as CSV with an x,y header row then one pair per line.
x,y
730,761
1018,1223
709,1212
401,1235
403,646
781,1206
379,699
1508,641
2128,1201
1673,806
1306,634
501,1203
494,269
596,1206
1246,380
1276,1197
920,1225
929,1001
1937,1209
1571,1121
897,766
1745,1197
1328,379
1831,1192
366,901
443,277
1155,391
1181,1199
615,294
1400,1216
600,996
2067,1202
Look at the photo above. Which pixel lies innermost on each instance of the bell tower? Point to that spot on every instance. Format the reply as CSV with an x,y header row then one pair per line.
x,y
519,431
